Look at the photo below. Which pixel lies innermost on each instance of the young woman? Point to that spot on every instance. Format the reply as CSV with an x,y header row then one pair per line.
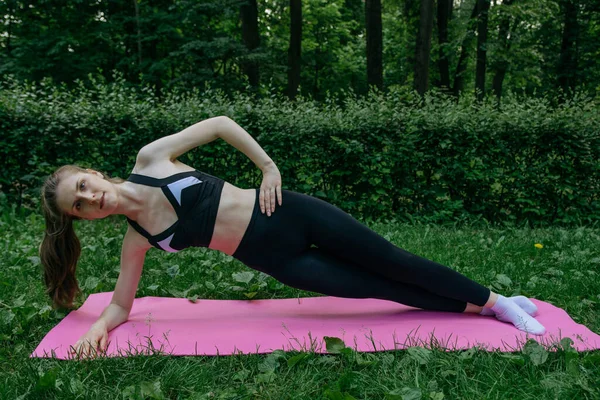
x,y
171,206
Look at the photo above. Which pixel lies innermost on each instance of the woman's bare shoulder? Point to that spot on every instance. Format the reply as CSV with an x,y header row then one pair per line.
x,y
160,168
133,240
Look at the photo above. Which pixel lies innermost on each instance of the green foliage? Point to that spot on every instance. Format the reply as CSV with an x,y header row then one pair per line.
x,y
187,43
386,156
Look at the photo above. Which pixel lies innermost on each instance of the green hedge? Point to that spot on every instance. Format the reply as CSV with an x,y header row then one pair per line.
x,y
389,156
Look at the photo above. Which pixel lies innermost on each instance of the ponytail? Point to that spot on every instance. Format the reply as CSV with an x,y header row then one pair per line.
x,y
59,253
60,248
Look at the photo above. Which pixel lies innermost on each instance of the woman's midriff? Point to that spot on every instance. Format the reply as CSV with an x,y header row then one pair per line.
x,y
233,217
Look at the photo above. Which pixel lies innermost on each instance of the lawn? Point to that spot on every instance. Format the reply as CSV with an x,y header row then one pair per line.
x,y
563,269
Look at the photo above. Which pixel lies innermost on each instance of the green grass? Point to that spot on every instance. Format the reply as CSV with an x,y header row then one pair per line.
x,y
565,272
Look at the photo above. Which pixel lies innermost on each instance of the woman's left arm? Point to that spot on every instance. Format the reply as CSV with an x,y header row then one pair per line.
x,y
270,189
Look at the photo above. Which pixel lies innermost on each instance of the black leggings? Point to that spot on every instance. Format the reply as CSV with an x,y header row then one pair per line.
x,y
350,260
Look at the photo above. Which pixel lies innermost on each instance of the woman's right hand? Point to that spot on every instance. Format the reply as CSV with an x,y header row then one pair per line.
x,y
95,338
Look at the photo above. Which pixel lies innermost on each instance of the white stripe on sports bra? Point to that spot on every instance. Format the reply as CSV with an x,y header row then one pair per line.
x,y
165,244
177,187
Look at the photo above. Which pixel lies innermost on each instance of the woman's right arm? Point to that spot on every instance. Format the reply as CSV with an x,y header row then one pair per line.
x,y
133,254
112,316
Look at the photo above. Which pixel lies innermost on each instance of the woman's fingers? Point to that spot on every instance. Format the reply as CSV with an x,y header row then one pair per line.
x,y
103,342
89,348
82,348
268,202
268,198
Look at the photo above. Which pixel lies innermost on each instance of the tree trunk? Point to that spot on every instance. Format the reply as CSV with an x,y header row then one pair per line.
x,y
155,77
421,81
482,27
251,39
444,9
462,60
374,43
139,34
316,83
411,26
110,12
504,40
295,49
567,64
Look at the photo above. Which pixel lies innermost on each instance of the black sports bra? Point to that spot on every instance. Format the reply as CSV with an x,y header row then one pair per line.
x,y
195,197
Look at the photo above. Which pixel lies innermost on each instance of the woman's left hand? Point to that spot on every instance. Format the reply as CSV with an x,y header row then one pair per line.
x,y
270,189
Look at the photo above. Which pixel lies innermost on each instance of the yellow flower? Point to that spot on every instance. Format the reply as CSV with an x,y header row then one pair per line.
x,y
539,246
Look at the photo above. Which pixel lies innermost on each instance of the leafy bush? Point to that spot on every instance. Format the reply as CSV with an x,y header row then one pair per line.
x,y
386,156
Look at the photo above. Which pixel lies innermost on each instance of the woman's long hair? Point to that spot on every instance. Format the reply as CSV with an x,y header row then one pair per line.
x,y
60,248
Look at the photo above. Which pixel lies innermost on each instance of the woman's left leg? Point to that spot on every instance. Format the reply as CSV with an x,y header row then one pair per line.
x,y
341,235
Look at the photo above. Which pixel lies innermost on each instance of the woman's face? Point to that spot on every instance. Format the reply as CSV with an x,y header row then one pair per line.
x,y
86,195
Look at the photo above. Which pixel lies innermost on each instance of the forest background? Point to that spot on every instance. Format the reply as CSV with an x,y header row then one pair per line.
x,y
311,47
378,107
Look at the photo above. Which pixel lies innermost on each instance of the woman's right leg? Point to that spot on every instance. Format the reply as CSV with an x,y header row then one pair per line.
x,y
341,235
317,271
272,244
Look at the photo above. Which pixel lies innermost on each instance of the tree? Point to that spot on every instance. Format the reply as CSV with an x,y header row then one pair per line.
x,y
461,67
295,48
482,23
444,13
567,65
374,43
251,39
421,80
505,35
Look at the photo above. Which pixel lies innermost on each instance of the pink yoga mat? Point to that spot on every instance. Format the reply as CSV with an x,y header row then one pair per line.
x,y
223,327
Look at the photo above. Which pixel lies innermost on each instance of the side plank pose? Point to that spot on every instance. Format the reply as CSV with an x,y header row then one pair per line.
x,y
172,206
